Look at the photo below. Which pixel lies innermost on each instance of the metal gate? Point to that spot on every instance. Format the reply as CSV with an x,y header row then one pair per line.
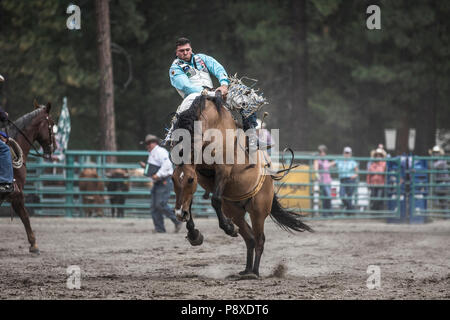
x,y
413,188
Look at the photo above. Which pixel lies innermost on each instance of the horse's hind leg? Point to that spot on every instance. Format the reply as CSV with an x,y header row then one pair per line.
x,y
238,216
260,238
19,208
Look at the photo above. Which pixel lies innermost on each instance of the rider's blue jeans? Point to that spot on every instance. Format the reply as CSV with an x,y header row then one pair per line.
x,y
6,169
250,122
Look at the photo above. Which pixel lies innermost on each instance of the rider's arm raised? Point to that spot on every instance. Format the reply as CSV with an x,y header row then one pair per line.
x,y
215,68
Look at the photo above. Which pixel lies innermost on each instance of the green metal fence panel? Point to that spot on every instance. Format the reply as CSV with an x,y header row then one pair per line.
x,y
360,199
430,186
55,185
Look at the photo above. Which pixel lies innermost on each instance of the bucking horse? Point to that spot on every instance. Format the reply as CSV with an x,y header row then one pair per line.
x,y
236,187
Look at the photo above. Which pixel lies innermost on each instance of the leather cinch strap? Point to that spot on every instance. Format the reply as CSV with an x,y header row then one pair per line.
x,y
252,193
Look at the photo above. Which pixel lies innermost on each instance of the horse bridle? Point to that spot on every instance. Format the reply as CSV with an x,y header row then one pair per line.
x,y
50,132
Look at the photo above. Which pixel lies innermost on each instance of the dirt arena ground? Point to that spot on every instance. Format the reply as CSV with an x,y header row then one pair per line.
x,y
123,259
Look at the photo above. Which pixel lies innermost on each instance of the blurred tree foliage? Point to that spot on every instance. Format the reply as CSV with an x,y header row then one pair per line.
x,y
328,78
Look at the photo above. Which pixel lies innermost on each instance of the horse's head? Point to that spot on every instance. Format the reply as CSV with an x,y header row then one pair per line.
x,y
185,184
45,125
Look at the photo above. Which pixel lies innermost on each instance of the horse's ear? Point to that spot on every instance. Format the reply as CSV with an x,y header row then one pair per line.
x,y
48,107
35,104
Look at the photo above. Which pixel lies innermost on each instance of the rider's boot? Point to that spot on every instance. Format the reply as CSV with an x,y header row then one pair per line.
x,y
249,128
168,139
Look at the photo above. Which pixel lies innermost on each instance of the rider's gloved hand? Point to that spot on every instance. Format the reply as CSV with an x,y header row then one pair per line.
x,y
224,89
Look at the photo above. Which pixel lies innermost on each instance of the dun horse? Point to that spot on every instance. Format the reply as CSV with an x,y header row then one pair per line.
x,y
236,188
34,126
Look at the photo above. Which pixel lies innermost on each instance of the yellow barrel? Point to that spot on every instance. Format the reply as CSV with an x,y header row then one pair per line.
x,y
296,190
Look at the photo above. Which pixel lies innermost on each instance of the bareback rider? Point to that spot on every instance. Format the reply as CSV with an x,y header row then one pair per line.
x,y
6,168
190,75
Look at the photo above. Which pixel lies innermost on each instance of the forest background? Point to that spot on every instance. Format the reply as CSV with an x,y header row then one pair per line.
x,y
329,79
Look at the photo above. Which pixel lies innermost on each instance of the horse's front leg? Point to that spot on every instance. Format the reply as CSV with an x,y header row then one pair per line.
x,y
216,201
18,205
194,236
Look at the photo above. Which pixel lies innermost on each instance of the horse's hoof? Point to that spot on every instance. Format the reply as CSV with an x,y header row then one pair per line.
x,y
235,231
249,276
195,240
35,250
244,275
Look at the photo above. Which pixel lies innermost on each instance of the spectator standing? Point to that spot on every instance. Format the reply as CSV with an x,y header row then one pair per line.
x,y
159,168
322,169
441,177
348,174
375,180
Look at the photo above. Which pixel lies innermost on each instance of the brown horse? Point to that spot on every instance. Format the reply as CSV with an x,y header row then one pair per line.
x,y
34,126
236,188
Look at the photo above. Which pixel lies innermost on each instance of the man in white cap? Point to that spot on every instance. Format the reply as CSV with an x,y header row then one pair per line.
x,y
159,168
348,173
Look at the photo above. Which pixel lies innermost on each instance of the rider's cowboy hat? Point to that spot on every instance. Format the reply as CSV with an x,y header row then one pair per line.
x,y
150,138
373,153
436,149
1,78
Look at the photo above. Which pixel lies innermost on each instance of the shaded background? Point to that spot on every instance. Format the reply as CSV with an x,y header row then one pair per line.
x,y
328,78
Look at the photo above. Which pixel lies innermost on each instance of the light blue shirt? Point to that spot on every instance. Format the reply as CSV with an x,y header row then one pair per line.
x,y
346,168
181,81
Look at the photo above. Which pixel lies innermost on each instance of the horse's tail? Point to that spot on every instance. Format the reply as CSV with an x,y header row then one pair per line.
x,y
287,220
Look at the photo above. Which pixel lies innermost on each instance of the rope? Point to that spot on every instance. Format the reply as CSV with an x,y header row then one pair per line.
x,y
16,153
243,98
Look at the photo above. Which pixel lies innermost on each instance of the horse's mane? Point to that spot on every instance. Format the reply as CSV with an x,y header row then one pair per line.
x,y
186,119
22,122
